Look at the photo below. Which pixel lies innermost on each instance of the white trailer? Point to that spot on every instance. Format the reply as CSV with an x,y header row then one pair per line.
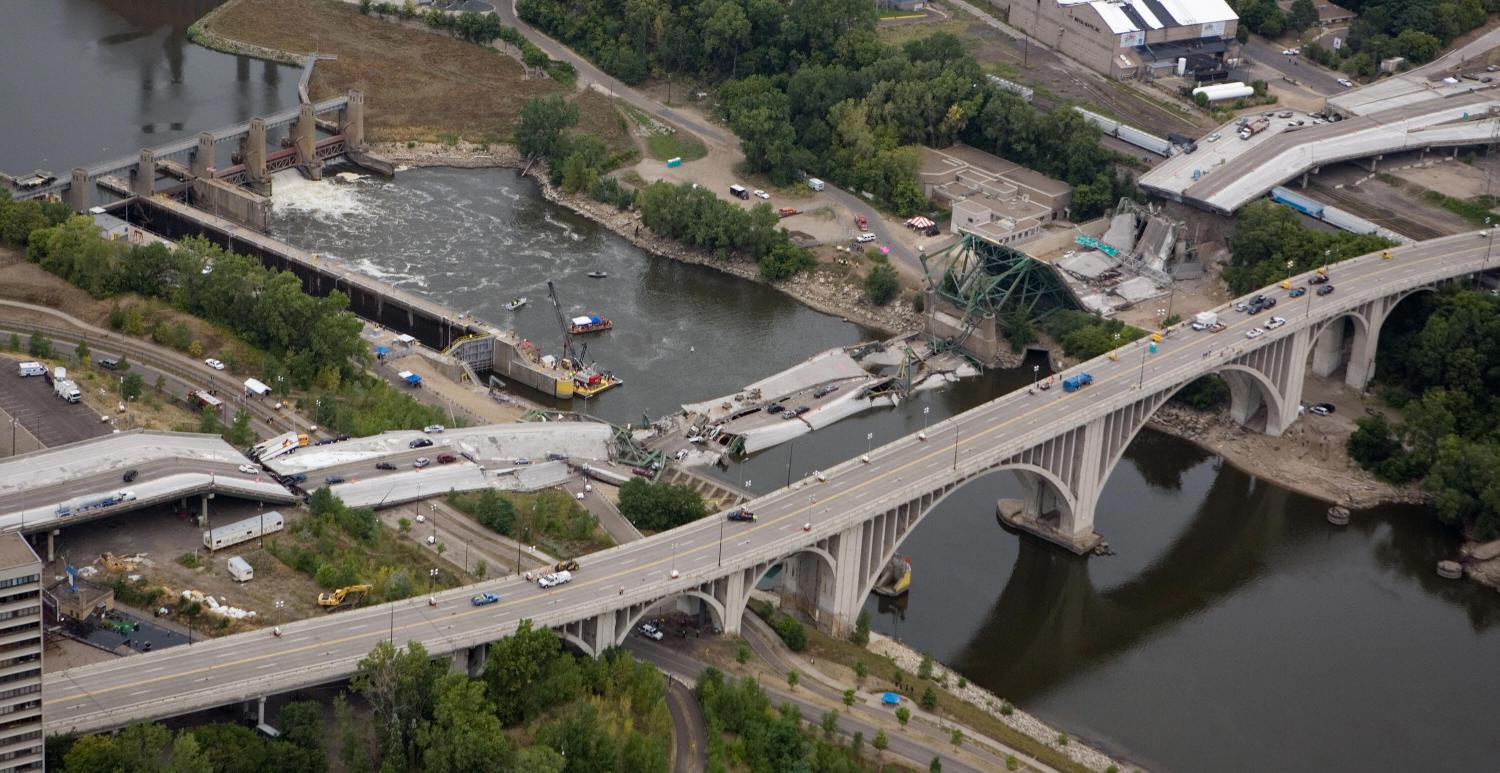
x,y
281,444
248,529
240,569
256,387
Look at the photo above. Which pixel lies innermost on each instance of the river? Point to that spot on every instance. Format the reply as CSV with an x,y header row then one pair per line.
x,y
1235,630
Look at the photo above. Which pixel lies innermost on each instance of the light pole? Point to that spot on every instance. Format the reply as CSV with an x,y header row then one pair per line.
x,y
1141,382
925,410
789,447
1036,375
432,575
721,540
1489,233
869,443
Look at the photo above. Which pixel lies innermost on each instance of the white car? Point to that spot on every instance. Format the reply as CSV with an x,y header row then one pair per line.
x,y
1346,83
213,363
1290,51
1214,137
433,429
421,518
651,632
249,469
432,539
865,237
421,462
126,496
760,194
1254,332
1275,323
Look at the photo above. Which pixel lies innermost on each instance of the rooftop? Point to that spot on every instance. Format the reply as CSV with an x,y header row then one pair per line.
x,y
1140,15
14,552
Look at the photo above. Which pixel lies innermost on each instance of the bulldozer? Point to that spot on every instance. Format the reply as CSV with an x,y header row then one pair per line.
x,y
343,597
566,566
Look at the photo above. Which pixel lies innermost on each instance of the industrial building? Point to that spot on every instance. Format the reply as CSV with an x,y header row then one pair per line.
x,y
21,742
997,200
1134,38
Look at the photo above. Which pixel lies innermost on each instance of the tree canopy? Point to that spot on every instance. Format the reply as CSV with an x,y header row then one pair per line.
x,y
660,506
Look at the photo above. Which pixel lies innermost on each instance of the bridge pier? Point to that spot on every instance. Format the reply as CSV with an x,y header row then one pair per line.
x,y
144,175
253,151
203,157
1328,350
79,191
352,121
305,137
470,661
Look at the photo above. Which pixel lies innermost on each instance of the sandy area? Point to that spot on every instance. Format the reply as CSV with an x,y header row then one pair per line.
x,y
60,653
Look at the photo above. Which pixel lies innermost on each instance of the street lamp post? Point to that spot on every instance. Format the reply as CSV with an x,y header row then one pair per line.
x,y
721,541
1036,375
1141,382
925,410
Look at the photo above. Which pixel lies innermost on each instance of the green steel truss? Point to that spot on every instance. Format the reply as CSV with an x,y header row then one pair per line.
x,y
982,277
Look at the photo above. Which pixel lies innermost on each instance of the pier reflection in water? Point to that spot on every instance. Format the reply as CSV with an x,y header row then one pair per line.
x,y
1235,630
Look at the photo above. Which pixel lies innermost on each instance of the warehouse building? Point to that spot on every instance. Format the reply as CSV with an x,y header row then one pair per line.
x,y
1134,38
991,197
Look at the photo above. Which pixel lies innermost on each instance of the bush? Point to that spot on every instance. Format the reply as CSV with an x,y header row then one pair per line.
x,y
881,284
929,698
660,506
791,632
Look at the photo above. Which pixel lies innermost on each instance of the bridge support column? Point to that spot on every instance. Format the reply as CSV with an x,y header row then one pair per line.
x,y
736,596
470,660
1362,353
80,193
353,124
144,183
305,136
203,157
51,535
849,581
1374,160
1328,350
1304,179
253,150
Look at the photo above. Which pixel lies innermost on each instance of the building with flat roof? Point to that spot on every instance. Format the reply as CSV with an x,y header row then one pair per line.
x,y
1126,38
21,741
991,197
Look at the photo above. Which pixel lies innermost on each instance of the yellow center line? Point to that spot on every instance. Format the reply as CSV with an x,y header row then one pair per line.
x,y
635,570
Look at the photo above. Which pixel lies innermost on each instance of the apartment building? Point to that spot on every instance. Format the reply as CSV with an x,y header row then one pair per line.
x,y
21,740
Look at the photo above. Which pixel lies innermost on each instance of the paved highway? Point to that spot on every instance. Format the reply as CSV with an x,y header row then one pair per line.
x,y
324,649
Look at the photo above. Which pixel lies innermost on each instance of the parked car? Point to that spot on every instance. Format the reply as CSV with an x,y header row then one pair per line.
x,y
296,477
420,442
447,458
1241,306
1254,332
742,515
1325,289
1346,83
864,237
932,230
433,429
484,599
213,363
1275,323
384,466
1214,137
651,632
825,390
1322,409
760,194
775,408
421,462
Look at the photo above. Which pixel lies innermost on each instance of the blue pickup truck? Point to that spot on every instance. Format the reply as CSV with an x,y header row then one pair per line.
x,y
1075,383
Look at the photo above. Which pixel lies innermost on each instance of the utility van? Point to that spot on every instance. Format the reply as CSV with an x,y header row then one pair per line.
x,y
33,369
739,192
815,183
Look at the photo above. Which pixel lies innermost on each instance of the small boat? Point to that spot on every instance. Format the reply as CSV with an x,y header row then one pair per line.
x,y
592,323
597,274
515,303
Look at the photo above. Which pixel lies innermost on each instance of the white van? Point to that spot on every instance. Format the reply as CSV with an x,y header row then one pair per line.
x,y
241,570
33,369
865,237
815,183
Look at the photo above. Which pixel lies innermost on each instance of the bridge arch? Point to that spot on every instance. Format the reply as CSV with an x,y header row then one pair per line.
x,y
714,607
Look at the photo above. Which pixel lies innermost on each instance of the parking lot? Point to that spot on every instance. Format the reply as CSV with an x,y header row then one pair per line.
x,y
52,421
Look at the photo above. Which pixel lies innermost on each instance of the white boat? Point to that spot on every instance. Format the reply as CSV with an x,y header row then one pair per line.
x,y
597,274
515,303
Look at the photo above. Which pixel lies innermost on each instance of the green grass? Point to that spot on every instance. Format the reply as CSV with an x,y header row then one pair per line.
x,y
895,13
1474,210
663,145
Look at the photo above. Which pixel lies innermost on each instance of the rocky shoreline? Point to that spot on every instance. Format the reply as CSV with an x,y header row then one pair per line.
x,y
909,660
818,290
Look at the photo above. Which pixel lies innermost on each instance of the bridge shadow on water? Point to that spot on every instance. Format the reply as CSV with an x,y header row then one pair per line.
x,y
1226,591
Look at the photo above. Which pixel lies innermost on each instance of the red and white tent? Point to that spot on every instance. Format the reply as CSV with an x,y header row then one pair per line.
x,y
919,222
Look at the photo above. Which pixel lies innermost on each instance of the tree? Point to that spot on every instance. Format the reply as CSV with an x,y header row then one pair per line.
x,y
132,386
848,697
1418,47
82,353
936,766
791,679
355,747
1372,442
660,506
830,723
187,756
399,686
464,734
956,737
540,126
860,671
861,635
881,284
1302,16
208,421
15,342
742,655
240,435
516,672
881,743
929,699
540,759
924,669
38,346
903,715
302,724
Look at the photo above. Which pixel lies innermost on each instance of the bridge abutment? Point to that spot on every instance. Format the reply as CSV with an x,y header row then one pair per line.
x,y
305,137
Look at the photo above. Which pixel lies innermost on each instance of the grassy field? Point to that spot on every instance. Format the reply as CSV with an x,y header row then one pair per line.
x,y
418,84
550,519
661,140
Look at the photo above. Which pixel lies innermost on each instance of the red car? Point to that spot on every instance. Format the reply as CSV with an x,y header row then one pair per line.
x,y
447,458
741,514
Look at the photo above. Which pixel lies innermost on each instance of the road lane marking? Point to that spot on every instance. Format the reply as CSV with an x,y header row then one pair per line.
x,y
787,519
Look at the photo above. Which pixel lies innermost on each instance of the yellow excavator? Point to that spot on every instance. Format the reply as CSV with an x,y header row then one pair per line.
x,y
343,597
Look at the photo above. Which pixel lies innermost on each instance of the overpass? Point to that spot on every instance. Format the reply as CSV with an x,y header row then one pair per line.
x,y
169,466
1419,110
831,532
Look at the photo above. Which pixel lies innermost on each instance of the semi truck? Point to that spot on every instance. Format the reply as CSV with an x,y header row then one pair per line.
x,y
248,529
276,446
67,390
94,502
1077,382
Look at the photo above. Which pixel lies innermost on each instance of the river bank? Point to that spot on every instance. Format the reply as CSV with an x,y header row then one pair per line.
x,y
822,289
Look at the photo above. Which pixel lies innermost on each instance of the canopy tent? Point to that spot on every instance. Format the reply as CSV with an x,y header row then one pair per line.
x,y
592,319
919,222
382,350
405,340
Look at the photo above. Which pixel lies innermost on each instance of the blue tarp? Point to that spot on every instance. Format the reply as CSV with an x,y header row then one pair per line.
x,y
382,350
890,699
413,379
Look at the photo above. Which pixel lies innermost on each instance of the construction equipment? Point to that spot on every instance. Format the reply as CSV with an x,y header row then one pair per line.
x,y
562,324
347,596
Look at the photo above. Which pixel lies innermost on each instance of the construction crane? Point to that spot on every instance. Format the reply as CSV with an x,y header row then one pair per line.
x,y
343,597
562,324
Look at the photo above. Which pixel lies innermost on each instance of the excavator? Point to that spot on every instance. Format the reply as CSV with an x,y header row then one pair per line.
x,y
343,597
